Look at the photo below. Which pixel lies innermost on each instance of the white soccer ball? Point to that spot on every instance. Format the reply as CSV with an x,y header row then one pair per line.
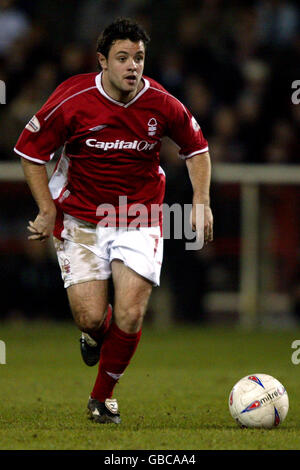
x,y
258,401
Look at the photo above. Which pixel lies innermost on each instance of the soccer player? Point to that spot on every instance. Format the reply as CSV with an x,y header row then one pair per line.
x,y
109,126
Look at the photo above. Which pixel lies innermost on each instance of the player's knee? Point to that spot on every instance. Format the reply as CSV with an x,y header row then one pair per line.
x,y
131,319
90,325
88,322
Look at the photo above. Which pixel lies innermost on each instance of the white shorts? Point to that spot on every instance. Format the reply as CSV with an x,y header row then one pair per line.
x,y
86,251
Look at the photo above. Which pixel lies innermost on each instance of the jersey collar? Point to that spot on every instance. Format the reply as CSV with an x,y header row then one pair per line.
x,y
98,81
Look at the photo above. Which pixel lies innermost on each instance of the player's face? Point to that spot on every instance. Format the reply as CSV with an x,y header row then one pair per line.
x,y
123,69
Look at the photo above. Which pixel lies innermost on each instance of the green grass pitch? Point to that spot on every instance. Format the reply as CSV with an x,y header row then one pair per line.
x,y
174,394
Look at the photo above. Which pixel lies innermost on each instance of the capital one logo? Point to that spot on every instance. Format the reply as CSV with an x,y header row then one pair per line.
x,y
2,352
2,92
140,146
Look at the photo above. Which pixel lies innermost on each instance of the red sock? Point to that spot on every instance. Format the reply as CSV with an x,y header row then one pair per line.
x,y
116,352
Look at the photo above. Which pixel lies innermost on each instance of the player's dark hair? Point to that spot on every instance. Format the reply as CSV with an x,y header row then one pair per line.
x,y
121,28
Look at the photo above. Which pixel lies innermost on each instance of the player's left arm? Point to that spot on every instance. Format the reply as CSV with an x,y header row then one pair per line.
x,y
199,169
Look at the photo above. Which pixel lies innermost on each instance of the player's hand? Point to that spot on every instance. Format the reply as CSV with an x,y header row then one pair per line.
x,y
42,227
207,224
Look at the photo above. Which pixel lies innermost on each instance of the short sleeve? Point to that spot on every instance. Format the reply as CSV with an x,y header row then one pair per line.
x,y
46,132
185,131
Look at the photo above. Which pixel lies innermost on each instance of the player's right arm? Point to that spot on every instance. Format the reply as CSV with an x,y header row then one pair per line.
x,y
37,179
43,135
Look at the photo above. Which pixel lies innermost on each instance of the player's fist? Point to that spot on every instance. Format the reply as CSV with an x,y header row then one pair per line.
x,y
208,225
42,227
202,221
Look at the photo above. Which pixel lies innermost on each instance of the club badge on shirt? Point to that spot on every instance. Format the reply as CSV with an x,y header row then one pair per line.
x,y
152,126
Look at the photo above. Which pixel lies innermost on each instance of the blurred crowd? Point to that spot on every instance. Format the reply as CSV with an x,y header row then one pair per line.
x,y
232,63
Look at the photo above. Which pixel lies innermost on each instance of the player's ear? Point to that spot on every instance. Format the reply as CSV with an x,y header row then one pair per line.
x,y
102,60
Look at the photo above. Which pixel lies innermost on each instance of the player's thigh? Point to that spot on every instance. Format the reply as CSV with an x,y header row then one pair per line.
x,y
88,302
132,293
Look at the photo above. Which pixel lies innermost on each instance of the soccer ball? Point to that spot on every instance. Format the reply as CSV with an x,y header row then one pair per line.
x,y
258,401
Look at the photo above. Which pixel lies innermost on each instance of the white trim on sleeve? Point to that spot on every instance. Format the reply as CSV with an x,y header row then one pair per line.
x,y
184,157
36,160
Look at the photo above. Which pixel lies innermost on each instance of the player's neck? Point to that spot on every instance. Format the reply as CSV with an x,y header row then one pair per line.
x,y
117,94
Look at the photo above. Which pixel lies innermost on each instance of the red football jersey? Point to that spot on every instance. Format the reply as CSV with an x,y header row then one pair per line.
x,y
109,149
